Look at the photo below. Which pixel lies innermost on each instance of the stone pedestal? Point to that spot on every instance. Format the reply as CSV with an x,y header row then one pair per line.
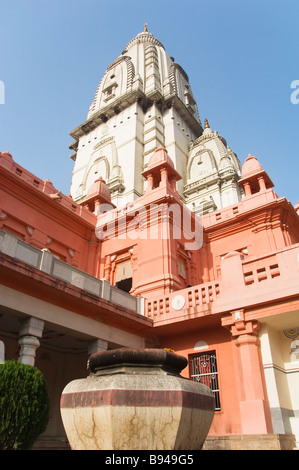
x,y
136,400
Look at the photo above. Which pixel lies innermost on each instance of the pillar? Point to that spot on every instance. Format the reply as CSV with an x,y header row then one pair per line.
x,y
97,345
107,268
150,182
106,289
262,184
254,407
173,180
97,204
31,330
2,353
247,188
164,177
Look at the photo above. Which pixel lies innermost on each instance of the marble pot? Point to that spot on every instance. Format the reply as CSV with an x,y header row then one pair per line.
x,y
136,399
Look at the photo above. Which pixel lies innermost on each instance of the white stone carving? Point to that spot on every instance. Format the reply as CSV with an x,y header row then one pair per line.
x,y
178,302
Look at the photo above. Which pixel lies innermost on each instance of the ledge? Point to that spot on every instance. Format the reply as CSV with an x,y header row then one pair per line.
x,y
250,442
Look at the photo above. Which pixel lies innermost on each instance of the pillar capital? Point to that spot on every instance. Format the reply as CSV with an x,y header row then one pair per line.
x,y
243,327
238,325
32,326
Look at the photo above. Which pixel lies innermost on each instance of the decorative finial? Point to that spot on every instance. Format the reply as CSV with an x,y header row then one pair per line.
x,y
207,126
145,28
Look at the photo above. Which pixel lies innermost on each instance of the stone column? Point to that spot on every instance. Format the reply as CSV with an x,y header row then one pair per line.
x,y
2,353
150,183
172,180
247,188
97,345
254,407
107,268
97,204
31,330
262,184
164,177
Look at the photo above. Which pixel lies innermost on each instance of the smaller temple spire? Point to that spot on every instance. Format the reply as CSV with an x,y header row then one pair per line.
x,y
254,178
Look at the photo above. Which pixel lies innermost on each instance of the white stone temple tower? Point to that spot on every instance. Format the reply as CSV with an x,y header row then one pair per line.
x,y
145,101
212,173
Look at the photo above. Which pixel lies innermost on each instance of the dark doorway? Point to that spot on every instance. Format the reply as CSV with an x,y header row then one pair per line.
x,y
125,284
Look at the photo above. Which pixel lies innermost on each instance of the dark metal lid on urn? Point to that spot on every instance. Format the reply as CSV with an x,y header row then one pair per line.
x,y
156,358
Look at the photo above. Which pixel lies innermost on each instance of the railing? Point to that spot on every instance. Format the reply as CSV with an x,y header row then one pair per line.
x,y
259,270
284,263
203,294
48,263
187,298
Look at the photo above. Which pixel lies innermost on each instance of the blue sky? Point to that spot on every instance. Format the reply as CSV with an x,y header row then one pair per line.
x,y
241,57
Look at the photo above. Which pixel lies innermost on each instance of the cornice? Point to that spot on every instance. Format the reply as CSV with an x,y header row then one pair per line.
x,y
180,107
22,190
256,218
105,113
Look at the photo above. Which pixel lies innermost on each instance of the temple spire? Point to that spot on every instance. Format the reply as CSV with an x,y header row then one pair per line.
x,y
207,126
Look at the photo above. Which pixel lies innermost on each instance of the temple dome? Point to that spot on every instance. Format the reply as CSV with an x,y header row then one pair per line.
x,y
143,69
251,165
98,190
159,157
144,37
225,163
160,160
254,175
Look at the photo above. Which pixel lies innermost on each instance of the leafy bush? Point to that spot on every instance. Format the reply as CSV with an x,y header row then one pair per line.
x,y
24,405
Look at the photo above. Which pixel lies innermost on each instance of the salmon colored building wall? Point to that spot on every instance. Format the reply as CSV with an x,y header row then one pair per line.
x,y
37,213
142,240
245,270
227,420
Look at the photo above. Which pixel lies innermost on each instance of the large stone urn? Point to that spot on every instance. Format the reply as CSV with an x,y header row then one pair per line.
x,y
136,399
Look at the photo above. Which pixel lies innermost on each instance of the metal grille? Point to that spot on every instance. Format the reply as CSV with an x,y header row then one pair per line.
x,y
203,368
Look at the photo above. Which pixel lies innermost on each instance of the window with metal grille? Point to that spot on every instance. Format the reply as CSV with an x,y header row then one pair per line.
x,y
203,368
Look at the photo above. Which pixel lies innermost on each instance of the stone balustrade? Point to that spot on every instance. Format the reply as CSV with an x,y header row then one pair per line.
x,y
45,261
238,273
240,277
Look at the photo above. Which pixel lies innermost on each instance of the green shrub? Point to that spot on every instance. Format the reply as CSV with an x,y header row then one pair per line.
x,y
24,405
